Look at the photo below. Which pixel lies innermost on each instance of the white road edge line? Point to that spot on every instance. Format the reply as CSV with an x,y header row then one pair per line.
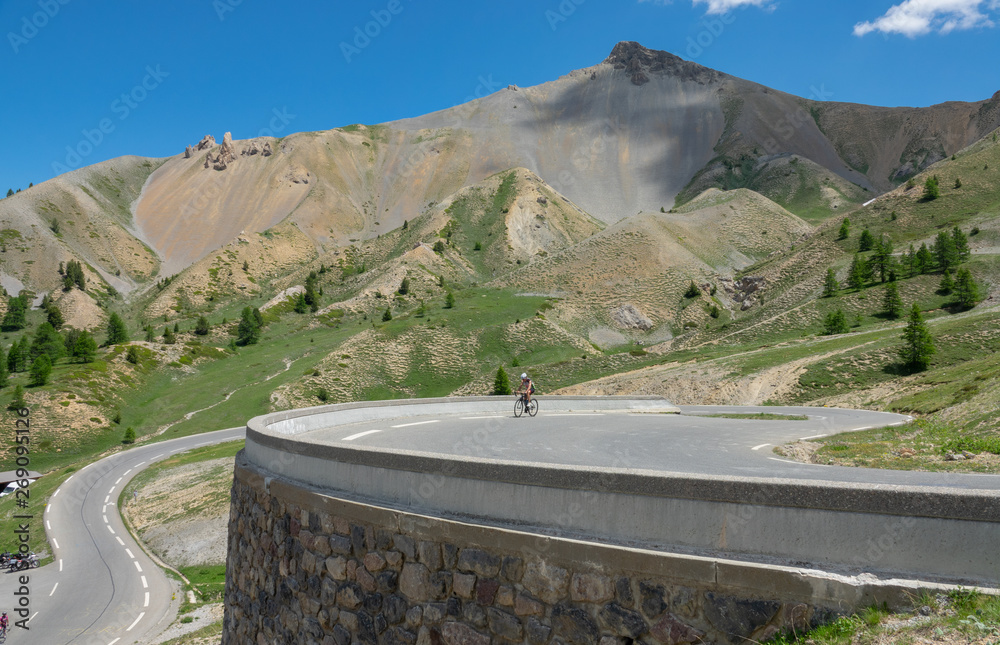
x,y
107,498
820,436
53,590
141,614
763,445
60,564
114,641
48,525
416,423
112,491
127,472
498,416
68,478
106,520
56,493
787,461
119,480
359,435
32,616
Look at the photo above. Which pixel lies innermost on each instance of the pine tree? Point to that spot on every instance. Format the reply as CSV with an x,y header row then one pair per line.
x,y
945,252
201,328
404,288
117,331
449,301
17,359
16,316
406,225
958,183
85,349
892,304
882,261
845,229
925,260
17,402
947,283
835,323
40,371
301,306
866,241
501,384
54,316
961,243
692,291
966,290
387,316
129,437
918,345
248,331
168,336
932,190
10,192
49,342
858,272
4,372
132,355
831,285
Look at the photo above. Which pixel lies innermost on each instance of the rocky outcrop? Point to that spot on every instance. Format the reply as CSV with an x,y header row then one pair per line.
x,y
628,317
207,143
745,291
188,152
639,63
257,146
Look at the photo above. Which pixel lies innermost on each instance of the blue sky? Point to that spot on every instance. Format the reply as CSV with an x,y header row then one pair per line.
x,y
88,81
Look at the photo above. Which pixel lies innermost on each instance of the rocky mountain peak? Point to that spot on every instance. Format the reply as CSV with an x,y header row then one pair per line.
x,y
641,62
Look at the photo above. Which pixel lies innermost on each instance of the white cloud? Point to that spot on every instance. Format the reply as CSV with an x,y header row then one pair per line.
x,y
725,6
913,18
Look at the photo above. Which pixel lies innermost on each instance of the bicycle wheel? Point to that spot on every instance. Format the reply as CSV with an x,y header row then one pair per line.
x,y
518,407
533,408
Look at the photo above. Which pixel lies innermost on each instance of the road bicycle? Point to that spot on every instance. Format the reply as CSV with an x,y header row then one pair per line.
x,y
522,405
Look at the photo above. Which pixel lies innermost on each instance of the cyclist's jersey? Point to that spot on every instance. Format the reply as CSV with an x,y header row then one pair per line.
x,y
528,386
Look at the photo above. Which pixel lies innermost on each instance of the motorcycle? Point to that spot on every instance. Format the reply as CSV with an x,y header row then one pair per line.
x,y
20,564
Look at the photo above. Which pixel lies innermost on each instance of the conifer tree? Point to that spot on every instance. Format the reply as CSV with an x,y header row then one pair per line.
x,y
201,328
932,189
845,230
117,331
835,323
892,304
966,290
918,344
858,272
40,371
17,402
866,242
501,384
831,285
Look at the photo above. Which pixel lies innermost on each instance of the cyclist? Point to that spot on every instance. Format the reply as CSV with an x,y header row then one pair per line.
x,y
527,387
3,623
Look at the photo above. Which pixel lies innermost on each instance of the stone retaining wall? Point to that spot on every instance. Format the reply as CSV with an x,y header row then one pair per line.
x,y
305,567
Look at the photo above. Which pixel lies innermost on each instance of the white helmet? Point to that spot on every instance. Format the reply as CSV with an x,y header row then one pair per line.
x,y
524,376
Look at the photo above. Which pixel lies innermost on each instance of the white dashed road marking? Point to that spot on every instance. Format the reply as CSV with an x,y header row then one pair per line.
x,y
416,423
820,436
53,590
145,585
146,603
477,418
129,551
120,541
141,614
359,435
111,529
54,543
763,445
136,563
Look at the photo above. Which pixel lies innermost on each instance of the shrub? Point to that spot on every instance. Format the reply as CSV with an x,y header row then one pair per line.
x,y
129,437
835,323
692,291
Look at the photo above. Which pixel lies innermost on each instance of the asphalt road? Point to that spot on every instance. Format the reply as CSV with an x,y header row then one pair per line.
x,y
685,444
101,589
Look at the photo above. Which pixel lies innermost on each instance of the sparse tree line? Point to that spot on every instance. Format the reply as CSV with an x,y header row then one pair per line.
x,y
947,253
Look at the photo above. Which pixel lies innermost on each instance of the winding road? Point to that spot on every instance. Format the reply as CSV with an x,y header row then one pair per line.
x,y
102,589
